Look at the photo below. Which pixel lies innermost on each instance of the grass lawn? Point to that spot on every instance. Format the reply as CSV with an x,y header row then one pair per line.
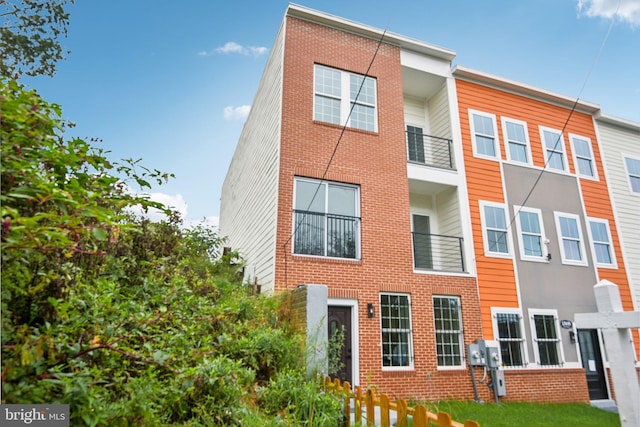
x,y
527,414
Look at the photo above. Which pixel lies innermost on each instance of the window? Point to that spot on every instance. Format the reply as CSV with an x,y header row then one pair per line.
x,y
495,230
633,170
530,233
396,330
484,134
583,156
326,221
336,94
544,328
553,148
507,327
517,140
570,239
415,143
601,243
448,322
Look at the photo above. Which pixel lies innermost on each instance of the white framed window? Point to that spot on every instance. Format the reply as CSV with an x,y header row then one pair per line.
x,y
448,325
516,137
397,340
601,243
547,340
531,236
632,165
553,146
570,238
484,135
336,92
583,158
326,219
508,329
495,230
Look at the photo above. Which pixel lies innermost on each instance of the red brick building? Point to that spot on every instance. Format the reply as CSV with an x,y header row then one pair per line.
x,y
350,173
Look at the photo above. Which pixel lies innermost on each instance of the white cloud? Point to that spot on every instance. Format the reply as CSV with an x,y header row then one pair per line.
x,y
175,202
233,47
624,10
236,113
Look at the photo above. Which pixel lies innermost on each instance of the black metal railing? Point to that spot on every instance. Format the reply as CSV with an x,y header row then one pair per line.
x,y
430,150
438,253
323,234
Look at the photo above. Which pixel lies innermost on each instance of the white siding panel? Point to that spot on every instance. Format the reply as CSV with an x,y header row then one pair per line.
x,y
615,143
248,205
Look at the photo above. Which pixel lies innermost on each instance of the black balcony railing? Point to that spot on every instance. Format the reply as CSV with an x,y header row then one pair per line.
x,y
438,253
429,150
325,234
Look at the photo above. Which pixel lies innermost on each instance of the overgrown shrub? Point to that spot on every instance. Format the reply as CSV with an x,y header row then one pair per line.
x,y
126,320
306,405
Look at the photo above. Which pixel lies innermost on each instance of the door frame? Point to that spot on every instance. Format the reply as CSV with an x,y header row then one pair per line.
x,y
603,360
355,340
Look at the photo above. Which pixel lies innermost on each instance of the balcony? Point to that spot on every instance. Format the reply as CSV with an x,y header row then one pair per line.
x,y
435,252
327,235
429,150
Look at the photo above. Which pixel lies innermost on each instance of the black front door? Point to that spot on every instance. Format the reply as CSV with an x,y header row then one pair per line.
x,y
592,363
339,318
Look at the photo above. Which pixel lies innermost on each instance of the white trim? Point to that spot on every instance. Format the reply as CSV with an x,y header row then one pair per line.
x,y
355,335
496,334
496,137
461,346
412,353
592,159
612,254
326,184
507,141
583,254
344,98
558,147
543,238
507,230
534,336
628,174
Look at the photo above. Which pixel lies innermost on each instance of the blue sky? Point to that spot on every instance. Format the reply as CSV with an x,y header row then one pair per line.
x,y
171,82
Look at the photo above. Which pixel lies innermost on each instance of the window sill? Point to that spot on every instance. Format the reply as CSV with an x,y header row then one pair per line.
x,y
331,125
323,259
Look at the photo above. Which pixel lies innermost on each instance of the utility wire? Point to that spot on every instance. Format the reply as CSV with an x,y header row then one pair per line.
x,y
335,150
566,123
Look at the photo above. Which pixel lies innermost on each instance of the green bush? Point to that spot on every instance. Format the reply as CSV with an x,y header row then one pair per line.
x,y
126,320
300,402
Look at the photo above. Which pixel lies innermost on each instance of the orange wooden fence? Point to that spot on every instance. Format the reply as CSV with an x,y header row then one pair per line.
x,y
421,417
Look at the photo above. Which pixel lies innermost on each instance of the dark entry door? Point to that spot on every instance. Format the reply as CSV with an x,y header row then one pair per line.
x,y
592,363
422,254
339,317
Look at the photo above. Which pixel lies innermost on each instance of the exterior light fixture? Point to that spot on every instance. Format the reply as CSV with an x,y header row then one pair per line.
x,y
370,312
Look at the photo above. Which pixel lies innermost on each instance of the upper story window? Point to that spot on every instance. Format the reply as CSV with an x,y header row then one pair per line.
x,y
570,238
448,325
633,171
508,329
516,138
326,219
583,156
546,337
337,92
484,133
395,314
531,237
601,243
553,145
495,230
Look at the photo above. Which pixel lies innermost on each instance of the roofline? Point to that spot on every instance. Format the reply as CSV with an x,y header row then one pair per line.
x,y
312,15
618,121
524,89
